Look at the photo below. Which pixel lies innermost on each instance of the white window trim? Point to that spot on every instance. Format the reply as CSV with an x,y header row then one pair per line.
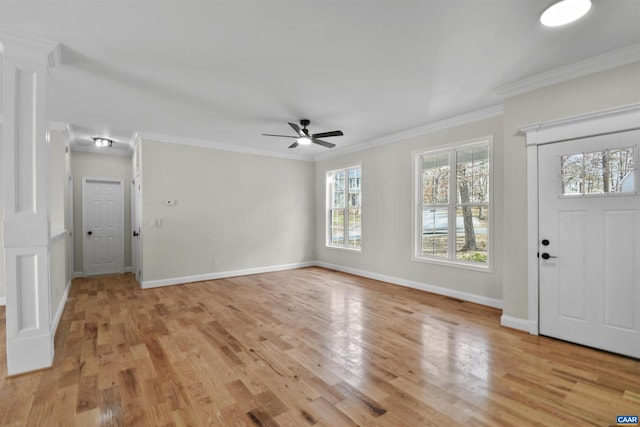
x,y
416,208
327,208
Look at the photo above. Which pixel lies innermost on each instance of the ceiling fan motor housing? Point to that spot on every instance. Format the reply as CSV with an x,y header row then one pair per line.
x,y
303,137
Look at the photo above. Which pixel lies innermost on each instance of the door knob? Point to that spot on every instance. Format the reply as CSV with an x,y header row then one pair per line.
x,y
89,232
547,256
136,234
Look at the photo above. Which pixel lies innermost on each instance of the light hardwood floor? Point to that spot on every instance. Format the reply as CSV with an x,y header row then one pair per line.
x,y
306,347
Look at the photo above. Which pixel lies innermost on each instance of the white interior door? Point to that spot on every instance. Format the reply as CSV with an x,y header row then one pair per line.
x,y
589,242
103,226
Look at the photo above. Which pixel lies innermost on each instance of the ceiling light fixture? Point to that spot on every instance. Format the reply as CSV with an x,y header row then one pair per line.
x,y
305,140
102,142
564,12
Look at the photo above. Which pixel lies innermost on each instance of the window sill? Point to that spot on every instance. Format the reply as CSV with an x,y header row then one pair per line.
x,y
456,264
342,248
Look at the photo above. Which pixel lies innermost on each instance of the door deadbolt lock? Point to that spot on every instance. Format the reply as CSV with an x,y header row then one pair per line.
x,y
545,242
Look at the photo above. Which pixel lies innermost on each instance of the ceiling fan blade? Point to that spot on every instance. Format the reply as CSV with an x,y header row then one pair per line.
x,y
297,129
328,134
283,136
323,143
294,145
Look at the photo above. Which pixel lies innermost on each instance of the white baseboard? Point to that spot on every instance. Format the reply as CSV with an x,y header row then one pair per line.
x,y
508,321
77,274
478,299
515,323
3,301
146,284
56,318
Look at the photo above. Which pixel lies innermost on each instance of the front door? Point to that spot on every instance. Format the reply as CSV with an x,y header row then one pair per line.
x,y
103,226
589,242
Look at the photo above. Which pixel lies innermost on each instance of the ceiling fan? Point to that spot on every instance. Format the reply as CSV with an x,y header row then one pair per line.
x,y
303,137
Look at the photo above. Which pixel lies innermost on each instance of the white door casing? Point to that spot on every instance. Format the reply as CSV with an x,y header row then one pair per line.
x,y
618,119
589,249
103,226
136,211
136,226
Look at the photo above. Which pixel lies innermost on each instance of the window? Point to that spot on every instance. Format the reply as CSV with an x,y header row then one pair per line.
x,y
599,172
452,204
344,201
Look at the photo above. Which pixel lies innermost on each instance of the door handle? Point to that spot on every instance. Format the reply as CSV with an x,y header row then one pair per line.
x,y
136,234
89,232
547,256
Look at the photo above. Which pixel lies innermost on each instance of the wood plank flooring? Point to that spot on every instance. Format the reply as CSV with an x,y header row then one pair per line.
x,y
306,347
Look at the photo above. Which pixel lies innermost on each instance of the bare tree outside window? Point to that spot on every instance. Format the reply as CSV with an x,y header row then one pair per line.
x,y
455,206
599,172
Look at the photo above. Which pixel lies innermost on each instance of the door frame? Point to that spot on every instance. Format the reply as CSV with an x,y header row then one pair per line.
x,y
618,119
84,216
71,250
136,227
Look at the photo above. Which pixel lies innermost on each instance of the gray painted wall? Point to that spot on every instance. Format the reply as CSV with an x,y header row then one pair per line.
x,y
244,210
387,213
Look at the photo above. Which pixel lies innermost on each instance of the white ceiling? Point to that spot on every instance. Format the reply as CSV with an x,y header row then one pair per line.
x,y
227,71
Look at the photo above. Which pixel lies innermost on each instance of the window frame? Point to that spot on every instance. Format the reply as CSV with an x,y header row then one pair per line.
x,y
636,176
329,209
451,205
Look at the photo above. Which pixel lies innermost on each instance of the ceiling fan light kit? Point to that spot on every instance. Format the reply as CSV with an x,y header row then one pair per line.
x,y
303,137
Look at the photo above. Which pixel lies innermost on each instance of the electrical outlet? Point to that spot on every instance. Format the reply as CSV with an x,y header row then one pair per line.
x,y
216,261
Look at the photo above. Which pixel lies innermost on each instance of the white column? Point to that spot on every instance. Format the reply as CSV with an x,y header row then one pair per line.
x,y
26,65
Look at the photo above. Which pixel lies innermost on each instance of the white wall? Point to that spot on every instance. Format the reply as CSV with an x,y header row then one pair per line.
x,y
99,166
387,209
57,181
612,88
58,197
3,292
244,210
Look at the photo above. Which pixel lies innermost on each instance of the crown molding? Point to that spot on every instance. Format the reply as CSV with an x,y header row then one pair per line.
x,y
53,125
27,48
462,119
64,128
217,146
107,151
617,119
606,61
134,140
59,126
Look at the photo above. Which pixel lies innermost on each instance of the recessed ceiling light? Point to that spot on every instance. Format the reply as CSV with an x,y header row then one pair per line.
x,y
102,142
564,12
